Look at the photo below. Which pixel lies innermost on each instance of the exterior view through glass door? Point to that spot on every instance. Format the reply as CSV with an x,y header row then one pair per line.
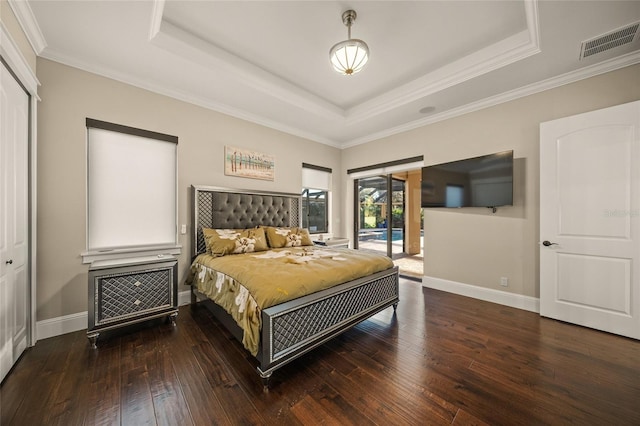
x,y
389,221
381,214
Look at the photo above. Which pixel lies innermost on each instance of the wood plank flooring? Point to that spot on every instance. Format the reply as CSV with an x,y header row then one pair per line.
x,y
441,359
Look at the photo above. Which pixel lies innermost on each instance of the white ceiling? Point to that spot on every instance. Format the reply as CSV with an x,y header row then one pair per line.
x,y
267,61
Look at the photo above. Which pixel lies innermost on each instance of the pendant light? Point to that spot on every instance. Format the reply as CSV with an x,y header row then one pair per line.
x,y
350,56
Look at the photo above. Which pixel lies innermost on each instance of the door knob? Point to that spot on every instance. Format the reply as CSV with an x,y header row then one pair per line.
x,y
9,262
548,243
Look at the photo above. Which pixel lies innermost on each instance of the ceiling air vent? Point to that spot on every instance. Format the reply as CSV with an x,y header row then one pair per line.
x,y
608,41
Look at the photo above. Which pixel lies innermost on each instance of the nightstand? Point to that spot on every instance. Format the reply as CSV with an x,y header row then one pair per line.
x,y
129,291
333,242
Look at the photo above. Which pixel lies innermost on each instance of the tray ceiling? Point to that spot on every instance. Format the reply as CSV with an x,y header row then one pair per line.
x,y
267,61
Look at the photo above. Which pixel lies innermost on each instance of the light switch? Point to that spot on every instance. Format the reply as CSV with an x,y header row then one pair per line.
x,y
183,229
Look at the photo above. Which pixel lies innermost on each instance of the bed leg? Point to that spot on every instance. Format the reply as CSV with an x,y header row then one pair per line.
x,y
194,299
395,306
266,379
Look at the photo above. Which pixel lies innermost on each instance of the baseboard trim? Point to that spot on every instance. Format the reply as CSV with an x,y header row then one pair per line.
x,y
184,298
519,301
61,325
69,323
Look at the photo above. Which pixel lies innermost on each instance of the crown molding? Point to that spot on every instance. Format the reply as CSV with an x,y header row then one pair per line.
x,y
203,53
629,59
533,23
476,64
567,78
27,20
156,18
185,97
185,44
17,62
498,55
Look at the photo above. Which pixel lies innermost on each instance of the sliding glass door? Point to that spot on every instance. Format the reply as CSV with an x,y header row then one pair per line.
x,y
380,205
372,213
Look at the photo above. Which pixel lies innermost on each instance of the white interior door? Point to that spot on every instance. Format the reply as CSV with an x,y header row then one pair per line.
x,y
14,232
590,219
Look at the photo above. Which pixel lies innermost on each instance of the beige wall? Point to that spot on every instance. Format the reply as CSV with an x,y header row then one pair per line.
x,y
474,246
470,246
11,23
68,97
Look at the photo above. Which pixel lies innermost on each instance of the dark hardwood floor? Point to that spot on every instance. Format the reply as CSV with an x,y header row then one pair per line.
x,y
441,359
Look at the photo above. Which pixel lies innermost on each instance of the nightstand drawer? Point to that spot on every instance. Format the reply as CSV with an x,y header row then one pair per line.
x,y
123,295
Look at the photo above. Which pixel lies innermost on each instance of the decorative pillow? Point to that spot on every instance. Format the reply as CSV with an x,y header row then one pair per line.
x,y
220,242
288,237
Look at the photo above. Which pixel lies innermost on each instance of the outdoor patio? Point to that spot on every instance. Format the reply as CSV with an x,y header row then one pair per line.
x,y
410,265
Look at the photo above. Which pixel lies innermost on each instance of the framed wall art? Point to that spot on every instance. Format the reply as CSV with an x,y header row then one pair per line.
x,y
249,164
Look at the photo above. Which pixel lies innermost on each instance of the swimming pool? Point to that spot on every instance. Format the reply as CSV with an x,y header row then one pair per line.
x,y
381,234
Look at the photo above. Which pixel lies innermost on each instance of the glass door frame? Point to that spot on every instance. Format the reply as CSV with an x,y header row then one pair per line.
x,y
389,212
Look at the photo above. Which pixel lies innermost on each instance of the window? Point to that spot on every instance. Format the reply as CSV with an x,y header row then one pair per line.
x,y
131,192
316,184
315,211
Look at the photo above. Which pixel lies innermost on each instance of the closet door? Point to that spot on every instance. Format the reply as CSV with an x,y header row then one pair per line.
x,y
14,232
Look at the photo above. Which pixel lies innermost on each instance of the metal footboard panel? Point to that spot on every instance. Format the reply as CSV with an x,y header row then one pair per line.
x,y
293,328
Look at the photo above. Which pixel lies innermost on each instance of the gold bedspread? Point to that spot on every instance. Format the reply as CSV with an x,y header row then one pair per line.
x,y
244,284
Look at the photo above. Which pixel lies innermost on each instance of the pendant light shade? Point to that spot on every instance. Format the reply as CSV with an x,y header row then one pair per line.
x,y
350,56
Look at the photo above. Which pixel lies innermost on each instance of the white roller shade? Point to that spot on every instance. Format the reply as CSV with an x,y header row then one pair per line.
x,y
316,179
132,187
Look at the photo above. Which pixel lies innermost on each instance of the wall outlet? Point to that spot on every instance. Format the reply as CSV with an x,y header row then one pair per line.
x,y
504,281
183,229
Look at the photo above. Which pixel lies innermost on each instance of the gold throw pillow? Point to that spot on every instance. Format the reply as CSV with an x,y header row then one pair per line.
x,y
221,242
288,237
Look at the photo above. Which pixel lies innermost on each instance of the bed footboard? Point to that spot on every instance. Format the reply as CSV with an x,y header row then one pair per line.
x,y
293,328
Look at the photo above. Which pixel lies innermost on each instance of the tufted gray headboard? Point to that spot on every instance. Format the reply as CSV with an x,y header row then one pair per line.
x,y
224,208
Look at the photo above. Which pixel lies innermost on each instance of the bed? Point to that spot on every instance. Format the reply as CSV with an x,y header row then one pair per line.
x,y
293,327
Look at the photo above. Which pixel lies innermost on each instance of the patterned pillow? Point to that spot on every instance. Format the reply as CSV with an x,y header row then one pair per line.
x,y
288,237
220,242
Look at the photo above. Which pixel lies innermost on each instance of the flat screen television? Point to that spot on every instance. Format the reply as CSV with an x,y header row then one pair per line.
x,y
485,181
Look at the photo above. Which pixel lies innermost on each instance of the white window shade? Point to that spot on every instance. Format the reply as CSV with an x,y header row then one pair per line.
x,y
131,189
316,179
